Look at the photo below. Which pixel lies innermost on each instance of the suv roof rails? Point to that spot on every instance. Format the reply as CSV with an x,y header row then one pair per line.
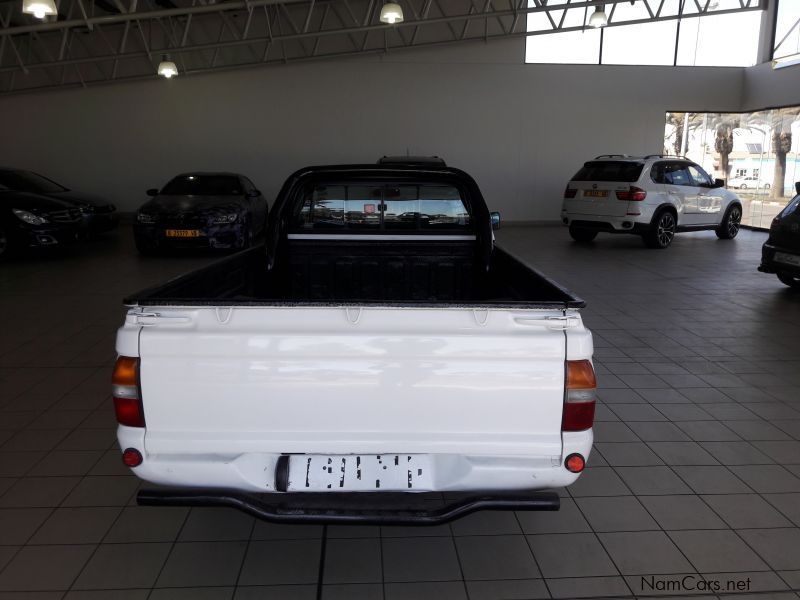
x,y
665,156
613,156
412,160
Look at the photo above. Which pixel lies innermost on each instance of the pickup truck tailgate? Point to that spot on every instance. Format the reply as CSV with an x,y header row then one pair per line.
x,y
335,380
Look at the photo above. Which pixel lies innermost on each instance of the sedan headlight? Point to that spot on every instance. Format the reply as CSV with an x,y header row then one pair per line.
x,y
224,219
145,218
29,217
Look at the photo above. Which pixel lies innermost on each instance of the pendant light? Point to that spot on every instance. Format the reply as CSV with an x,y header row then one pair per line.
x,y
167,68
39,8
391,13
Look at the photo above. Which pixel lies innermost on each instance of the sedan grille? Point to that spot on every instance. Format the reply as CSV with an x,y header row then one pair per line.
x,y
65,216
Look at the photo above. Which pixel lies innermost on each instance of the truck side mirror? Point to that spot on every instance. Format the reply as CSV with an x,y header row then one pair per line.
x,y
495,217
797,187
152,192
718,183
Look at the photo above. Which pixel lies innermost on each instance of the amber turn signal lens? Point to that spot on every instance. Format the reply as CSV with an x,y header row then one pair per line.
x,y
125,371
580,375
575,463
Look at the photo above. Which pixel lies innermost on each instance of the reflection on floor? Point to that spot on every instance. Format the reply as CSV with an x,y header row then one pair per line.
x,y
696,468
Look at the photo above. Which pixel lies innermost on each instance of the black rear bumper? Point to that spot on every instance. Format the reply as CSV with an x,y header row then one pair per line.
x,y
359,507
770,265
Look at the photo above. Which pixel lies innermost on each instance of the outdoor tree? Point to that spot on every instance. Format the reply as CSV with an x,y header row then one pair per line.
x,y
782,120
723,140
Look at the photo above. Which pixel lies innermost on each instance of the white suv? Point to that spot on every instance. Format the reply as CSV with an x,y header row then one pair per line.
x,y
653,196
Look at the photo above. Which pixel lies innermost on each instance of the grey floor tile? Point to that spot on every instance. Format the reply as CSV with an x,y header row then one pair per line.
x,y
353,591
147,524
76,526
17,525
496,557
613,432
420,559
782,452
787,504
487,522
44,568
278,531
205,564
729,412
709,431
17,464
35,492
352,531
737,453
767,479
645,481
682,512
208,593
353,561
684,412
518,589
588,587
644,553
571,555
665,396
712,480
132,594
276,592
66,462
568,519
682,453
658,431
216,525
281,562
636,412
121,566
598,481
707,395
746,511
446,590
717,551
759,584
616,514
627,454
779,547
102,491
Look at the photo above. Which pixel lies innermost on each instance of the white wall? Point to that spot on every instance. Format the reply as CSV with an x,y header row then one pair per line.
x,y
521,130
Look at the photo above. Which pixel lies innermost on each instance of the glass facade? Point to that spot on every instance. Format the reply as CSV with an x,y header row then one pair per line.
x,y
755,153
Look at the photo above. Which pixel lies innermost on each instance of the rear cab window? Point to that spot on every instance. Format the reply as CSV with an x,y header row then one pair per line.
x,y
402,208
610,170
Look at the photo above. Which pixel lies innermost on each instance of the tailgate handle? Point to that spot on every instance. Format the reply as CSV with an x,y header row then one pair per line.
x,y
558,323
155,318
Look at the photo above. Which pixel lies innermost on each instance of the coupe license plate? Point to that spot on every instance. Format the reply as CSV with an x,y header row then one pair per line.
x,y
183,233
595,193
350,472
788,259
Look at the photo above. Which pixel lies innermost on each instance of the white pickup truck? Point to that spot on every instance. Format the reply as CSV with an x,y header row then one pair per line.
x,y
380,344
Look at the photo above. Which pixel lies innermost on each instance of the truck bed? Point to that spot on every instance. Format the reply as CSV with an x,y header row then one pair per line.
x,y
363,274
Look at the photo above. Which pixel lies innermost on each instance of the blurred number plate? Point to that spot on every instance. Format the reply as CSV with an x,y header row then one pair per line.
x,y
183,233
595,194
347,473
789,259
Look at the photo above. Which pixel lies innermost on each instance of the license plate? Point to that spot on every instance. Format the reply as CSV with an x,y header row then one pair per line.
x,y
786,258
183,233
595,194
350,472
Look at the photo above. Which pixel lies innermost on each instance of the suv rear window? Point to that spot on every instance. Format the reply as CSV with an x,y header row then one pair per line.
x,y
609,170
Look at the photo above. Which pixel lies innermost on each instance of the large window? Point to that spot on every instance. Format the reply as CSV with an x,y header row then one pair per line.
x,y
755,153
725,39
787,29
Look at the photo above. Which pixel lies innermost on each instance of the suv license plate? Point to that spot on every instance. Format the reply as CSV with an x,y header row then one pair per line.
x,y
183,233
786,258
595,193
352,472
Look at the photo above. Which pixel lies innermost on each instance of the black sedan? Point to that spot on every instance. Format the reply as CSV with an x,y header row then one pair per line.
x,y
32,221
98,214
201,210
781,252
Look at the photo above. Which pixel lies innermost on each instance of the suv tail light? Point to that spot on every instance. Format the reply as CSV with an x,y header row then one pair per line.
x,y
634,194
570,192
579,396
125,389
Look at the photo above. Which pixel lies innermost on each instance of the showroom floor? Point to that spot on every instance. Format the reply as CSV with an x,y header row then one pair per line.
x,y
696,468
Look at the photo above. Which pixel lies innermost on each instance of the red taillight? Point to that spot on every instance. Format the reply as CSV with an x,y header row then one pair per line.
x,y
575,463
570,192
125,390
579,397
633,194
132,457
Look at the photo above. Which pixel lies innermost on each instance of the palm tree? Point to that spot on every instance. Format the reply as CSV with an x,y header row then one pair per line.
x,y
782,120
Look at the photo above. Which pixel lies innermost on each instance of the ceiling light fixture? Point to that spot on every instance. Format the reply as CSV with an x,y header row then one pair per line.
x,y
391,13
39,8
598,18
786,61
167,68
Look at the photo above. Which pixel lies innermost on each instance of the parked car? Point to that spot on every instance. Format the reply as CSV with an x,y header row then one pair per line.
x,y
781,252
359,362
33,221
201,210
98,214
748,183
653,196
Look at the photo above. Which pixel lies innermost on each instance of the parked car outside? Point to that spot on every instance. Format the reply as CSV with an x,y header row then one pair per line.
x,y
201,210
653,196
749,183
98,214
781,252
32,221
